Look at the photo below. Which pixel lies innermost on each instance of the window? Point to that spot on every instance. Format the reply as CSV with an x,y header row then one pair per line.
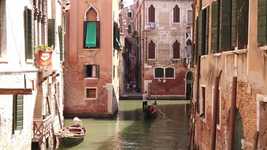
x,y
159,72
60,41
2,28
203,101
176,50
151,14
17,121
91,71
189,16
28,33
225,27
151,50
169,72
262,22
203,31
215,26
116,37
239,24
51,32
176,14
91,30
130,14
91,93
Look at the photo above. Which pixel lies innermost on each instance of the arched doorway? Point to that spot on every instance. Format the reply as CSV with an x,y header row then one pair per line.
x,y
189,85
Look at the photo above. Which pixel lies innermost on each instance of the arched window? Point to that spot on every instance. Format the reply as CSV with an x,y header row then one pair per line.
x,y
159,72
151,50
176,50
176,14
151,14
91,29
169,72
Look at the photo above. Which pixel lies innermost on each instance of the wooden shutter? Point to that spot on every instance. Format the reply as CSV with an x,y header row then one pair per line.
x,y
200,33
215,27
28,33
243,24
225,25
98,71
206,25
262,22
151,50
151,14
17,112
234,23
51,32
60,41
97,34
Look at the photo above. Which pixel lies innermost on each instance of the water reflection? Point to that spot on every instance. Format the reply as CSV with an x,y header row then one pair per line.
x,y
129,131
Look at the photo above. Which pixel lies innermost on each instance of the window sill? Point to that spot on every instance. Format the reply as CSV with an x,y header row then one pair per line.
x,y
29,61
90,49
263,48
90,99
91,78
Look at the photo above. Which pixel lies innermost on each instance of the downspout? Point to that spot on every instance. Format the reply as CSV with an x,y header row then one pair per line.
x,y
215,111
233,114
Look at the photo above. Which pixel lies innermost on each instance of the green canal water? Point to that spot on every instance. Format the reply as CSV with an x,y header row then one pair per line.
x,y
129,131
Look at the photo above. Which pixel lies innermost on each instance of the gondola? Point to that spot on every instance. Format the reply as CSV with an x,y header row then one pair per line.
x,y
150,111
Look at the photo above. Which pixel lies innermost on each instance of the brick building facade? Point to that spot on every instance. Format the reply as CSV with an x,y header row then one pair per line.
x,y
164,31
230,75
90,69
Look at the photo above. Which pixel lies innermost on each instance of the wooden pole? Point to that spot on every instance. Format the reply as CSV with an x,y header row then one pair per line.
x,y
215,111
233,115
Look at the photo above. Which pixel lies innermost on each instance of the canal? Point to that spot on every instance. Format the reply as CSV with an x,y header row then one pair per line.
x,y
129,131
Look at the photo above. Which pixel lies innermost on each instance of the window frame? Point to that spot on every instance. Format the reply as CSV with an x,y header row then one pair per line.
x,y
172,47
97,71
96,93
3,35
153,19
155,51
218,125
98,35
174,73
155,73
179,16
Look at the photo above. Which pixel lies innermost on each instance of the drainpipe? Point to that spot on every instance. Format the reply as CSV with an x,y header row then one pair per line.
x,y
215,111
233,115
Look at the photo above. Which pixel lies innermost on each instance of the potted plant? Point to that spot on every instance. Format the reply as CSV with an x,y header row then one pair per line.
x,y
43,55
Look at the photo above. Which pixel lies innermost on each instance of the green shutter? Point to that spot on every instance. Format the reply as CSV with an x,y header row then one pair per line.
x,y
200,33
215,27
28,33
60,40
206,48
17,123
51,32
243,24
234,23
262,22
225,26
19,113
90,38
